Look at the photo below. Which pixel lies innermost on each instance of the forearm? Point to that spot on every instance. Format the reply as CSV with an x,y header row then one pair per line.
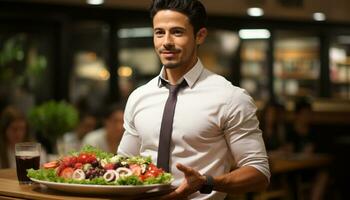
x,y
242,180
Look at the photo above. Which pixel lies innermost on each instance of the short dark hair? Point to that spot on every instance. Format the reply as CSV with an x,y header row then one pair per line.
x,y
110,109
193,9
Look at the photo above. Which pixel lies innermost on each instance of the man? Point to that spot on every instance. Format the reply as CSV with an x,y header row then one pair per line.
x,y
214,126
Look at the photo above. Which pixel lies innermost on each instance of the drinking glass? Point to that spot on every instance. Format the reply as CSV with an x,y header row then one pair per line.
x,y
27,156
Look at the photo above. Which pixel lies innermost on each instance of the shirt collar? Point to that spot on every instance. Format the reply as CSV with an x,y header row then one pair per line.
x,y
191,76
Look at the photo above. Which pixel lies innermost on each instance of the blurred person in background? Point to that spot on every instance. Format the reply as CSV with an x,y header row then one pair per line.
x,y
300,134
273,126
13,129
301,140
73,140
108,137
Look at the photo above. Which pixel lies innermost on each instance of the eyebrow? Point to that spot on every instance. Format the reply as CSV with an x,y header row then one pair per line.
x,y
172,28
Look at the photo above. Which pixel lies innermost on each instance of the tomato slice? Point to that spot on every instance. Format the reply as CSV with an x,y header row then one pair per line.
x,y
78,166
52,164
82,158
136,169
67,172
152,171
86,158
109,166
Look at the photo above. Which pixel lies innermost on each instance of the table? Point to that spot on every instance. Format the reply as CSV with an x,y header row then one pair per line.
x,y
296,162
291,168
10,189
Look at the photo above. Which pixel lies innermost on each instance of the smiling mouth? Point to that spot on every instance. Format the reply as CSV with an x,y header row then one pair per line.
x,y
169,52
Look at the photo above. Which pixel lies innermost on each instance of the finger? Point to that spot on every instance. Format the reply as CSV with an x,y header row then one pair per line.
x,y
184,169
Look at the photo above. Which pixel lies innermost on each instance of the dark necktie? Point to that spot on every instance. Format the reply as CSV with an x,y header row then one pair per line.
x,y
166,127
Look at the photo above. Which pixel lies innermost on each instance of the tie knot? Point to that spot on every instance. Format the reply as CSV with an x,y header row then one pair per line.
x,y
174,89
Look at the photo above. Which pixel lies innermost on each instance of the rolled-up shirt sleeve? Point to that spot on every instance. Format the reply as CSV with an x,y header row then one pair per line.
x,y
243,135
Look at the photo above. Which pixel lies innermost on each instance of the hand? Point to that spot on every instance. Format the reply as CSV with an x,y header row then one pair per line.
x,y
191,184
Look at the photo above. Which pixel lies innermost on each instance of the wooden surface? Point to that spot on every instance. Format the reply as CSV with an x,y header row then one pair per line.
x,y
284,164
11,189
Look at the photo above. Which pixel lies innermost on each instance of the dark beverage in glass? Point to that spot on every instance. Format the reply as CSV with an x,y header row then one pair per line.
x,y
25,162
27,157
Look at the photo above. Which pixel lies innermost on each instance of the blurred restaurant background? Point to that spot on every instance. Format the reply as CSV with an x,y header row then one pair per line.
x,y
94,53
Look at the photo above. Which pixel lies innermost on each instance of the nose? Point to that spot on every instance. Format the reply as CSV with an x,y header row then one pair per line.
x,y
168,41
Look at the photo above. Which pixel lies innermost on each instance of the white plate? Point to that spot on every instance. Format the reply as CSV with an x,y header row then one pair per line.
x,y
102,189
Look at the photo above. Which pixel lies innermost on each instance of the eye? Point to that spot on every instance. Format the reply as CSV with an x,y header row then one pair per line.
x,y
158,33
178,32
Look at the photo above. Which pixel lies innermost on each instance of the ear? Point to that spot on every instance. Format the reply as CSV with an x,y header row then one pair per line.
x,y
201,35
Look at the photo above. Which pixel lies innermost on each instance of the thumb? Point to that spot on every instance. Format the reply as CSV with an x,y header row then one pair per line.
x,y
186,170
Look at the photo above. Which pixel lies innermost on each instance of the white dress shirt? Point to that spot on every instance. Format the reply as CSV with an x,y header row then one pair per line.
x,y
215,127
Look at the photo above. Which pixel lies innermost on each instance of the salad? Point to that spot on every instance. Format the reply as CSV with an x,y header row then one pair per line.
x,y
93,166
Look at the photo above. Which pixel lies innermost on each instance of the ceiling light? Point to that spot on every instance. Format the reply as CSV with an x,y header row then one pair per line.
x,y
93,70
124,71
254,34
255,12
319,16
95,2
